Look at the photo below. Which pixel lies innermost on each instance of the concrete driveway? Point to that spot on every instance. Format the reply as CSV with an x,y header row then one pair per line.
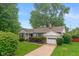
x,y
44,50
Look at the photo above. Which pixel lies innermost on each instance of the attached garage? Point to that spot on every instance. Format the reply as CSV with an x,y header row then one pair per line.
x,y
51,37
51,40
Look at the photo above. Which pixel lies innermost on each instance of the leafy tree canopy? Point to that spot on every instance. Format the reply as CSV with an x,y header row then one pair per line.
x,y
74,31
9,18
45,14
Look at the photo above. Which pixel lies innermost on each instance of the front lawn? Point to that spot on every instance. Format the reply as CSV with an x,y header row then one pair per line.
x,y
71,49
25,47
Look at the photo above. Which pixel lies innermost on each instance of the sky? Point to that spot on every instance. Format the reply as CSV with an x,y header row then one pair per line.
x,y
71,19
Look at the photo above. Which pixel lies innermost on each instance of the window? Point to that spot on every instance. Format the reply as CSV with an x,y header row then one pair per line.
x,y
26,34
51,38
22,35
39,34
59,32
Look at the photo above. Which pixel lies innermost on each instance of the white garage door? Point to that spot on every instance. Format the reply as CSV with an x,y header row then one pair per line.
x,y
51,41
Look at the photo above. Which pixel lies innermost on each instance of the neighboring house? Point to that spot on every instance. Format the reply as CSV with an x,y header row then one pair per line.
x,y
51,33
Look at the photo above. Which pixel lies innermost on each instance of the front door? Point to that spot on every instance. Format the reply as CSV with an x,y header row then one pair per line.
x,y
30,36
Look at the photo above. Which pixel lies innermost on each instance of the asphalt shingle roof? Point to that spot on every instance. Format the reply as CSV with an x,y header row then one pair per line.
x,y
44,30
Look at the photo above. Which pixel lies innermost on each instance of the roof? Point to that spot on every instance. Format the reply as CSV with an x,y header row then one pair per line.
x,y
44,30
51,33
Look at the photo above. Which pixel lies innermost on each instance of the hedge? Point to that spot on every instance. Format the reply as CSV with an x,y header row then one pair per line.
x,y
38,39
8,43
21,39
75,36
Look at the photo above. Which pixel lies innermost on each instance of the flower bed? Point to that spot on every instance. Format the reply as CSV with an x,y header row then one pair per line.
x,y
75,40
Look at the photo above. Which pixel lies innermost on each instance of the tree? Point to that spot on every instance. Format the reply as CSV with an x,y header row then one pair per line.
x,y
74,31
9,18
66,29
45,14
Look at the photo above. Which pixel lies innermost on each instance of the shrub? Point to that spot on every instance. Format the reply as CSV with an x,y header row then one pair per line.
x,y
38,39
67,38
21,39
75,36
59,41
8,43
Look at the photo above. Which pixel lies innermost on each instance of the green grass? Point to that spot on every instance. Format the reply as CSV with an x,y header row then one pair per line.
x,y
71,49
25,47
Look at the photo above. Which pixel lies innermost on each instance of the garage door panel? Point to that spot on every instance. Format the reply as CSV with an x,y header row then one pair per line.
x,y
51,41
51,36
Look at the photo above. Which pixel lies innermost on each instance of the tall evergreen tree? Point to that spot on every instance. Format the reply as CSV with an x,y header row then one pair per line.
x,y
9,18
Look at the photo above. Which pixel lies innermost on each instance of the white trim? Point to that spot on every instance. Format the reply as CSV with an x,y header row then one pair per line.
x,y
51,33
22,31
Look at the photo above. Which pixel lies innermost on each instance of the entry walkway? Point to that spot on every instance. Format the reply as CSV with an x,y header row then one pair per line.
x,y
44,50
